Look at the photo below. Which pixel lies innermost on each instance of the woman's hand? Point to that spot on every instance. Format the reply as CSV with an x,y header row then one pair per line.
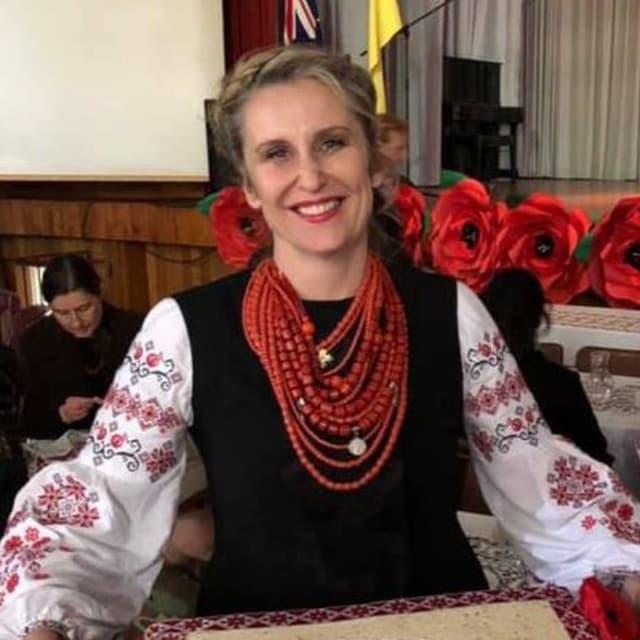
x,y
631,593
76,408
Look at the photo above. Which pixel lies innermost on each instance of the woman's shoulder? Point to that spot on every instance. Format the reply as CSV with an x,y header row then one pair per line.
x,y
43,332
225,289
407,276
122,320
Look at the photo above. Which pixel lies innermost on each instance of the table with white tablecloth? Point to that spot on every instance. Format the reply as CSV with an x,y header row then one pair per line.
x,y
620,423
574,327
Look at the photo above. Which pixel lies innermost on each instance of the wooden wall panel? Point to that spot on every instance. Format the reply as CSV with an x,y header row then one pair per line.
x,y
173,269
133,221
122,266
144,250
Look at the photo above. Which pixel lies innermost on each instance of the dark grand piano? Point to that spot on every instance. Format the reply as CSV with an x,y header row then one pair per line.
x,y
472,116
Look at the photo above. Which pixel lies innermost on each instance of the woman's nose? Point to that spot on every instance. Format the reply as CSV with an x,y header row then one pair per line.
x,y
74,319
310,173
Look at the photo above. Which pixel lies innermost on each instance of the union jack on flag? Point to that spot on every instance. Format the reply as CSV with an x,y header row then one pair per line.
x,y
301,22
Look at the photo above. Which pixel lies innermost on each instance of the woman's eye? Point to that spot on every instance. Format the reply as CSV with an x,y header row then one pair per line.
x,y
331,144
276,153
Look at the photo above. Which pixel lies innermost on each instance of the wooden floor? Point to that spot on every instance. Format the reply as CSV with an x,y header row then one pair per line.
x,y
593,196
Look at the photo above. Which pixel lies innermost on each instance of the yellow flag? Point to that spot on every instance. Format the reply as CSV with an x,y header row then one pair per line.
x,y
384,23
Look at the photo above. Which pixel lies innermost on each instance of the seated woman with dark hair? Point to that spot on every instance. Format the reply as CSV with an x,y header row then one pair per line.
x,y
71,355
516,301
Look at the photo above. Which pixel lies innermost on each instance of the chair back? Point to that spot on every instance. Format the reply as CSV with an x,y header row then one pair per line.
x,y
552,351
23,319
622,362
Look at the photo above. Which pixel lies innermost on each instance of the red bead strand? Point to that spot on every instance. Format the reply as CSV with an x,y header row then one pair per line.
x,y
361,398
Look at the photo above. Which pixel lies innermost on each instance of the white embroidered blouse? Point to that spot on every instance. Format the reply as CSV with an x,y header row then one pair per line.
x,y
84,543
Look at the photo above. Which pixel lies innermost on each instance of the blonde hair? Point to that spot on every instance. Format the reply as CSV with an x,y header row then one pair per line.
x,y
281,65
387,123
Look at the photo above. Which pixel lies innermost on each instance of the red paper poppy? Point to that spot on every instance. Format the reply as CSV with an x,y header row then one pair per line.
x,y
607,611
464,225
238,229
541,235
410,205
614,262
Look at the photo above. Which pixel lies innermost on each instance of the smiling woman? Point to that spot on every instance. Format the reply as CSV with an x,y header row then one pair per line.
x,y
326,390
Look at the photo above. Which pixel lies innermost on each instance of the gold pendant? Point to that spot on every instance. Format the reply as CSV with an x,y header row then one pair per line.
x,y
324,358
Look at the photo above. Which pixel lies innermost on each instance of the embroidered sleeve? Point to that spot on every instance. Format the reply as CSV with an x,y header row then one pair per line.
x,y
567,514
83,545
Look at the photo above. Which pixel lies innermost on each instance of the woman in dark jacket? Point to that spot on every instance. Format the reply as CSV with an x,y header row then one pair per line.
x,y
515,299
71,355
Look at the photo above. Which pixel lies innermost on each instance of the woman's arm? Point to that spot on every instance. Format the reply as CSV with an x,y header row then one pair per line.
x,y
567,514
84,543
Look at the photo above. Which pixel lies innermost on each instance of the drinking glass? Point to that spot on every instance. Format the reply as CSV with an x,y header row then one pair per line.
x,y
600,382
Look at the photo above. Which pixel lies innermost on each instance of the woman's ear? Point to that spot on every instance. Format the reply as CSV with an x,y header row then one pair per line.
x,y
380,168
250,194
377,179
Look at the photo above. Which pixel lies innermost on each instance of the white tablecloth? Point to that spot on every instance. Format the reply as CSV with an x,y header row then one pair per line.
x,y
621,428
575,326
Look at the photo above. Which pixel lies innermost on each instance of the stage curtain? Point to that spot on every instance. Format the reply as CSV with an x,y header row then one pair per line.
x,y
248,25
489,30
582,89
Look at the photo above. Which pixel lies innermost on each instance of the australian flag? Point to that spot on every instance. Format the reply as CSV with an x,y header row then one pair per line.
x,y
301,23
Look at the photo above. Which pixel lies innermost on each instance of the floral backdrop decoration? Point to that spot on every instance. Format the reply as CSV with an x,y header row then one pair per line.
x,y
468,236
462,239
238,229
614,261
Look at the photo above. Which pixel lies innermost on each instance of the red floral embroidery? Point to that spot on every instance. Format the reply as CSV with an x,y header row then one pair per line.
x,y
17,517
66,501
108,443
484,443
21,556
488,399
574,483
158,461
147,413
618,519
588,522
487,353
145,360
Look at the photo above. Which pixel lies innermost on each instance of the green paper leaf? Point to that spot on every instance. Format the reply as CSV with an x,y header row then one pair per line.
x,y
583,249
448,178
205,204
514,199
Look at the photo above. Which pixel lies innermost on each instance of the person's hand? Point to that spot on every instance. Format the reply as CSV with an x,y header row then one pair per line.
x,y
631,593
76,408
43,634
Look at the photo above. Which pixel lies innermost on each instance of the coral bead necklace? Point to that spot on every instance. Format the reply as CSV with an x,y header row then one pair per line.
x,y
342,399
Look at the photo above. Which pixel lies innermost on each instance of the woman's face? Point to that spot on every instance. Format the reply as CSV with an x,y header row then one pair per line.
x,y
395,149
307,167
78,312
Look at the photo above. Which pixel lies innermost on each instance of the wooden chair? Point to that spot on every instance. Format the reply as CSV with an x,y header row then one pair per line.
x,y
622,362
24,319
552,351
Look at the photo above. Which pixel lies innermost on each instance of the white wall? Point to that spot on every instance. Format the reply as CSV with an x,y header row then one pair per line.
x,y
107,88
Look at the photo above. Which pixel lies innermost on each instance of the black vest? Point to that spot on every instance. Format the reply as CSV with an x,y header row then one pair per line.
x,y
281,540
